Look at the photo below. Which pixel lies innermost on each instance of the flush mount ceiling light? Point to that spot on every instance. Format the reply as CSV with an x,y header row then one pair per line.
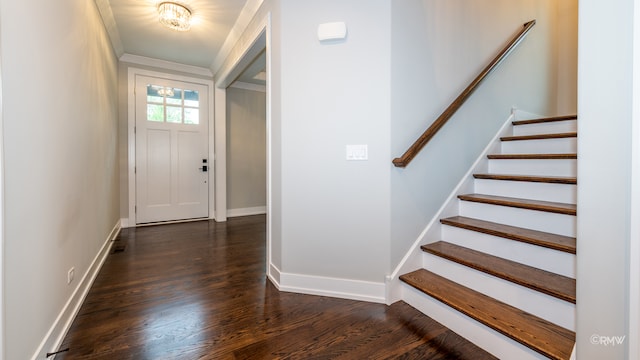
x,y
174,16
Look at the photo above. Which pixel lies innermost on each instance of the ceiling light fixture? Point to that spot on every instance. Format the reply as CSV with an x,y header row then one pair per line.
x,y
174,16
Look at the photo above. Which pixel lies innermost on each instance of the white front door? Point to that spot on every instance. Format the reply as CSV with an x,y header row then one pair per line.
x,y
172,165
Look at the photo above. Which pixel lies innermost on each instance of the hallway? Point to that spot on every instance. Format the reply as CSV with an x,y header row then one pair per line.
x,y
198,291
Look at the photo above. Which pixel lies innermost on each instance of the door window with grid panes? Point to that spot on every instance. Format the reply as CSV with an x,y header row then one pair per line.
x,y
173,105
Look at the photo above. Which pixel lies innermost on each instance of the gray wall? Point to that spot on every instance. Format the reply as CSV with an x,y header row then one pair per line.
x,y
566,36
61,158
246,149
437,48
401,64
335,213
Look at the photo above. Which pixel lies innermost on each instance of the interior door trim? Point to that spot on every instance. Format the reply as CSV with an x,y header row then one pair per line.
x,y
130,220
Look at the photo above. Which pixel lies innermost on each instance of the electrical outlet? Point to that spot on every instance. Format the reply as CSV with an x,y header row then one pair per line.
x,y
70,275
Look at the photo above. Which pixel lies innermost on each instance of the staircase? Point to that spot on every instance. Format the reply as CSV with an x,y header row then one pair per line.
x,y
503,275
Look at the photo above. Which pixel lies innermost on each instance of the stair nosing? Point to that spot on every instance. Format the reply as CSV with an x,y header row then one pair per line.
x,y
480,261
545,120
538,205
564,135
528,178
421,280
556,156
528,236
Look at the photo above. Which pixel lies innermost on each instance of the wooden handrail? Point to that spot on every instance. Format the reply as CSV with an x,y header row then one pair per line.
x,y
406,158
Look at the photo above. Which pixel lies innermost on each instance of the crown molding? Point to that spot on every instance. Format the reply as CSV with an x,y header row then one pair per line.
x,y
104,8
167,65
246,15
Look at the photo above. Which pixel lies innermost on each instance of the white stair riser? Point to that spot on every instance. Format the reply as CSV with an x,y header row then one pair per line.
x,y
558,311
537,167
554,261
564,193
488,339
546,128
530,219
541,146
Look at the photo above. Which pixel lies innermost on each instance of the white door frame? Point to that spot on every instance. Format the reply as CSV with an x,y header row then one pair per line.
x,y
131,137
258,41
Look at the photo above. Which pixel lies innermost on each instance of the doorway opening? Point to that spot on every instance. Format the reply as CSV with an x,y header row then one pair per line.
x,y
254,64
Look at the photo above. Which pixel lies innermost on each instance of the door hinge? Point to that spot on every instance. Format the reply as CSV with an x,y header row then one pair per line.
x,y
135,209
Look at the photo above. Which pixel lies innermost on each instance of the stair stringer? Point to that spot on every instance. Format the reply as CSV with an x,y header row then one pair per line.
x,y
414,259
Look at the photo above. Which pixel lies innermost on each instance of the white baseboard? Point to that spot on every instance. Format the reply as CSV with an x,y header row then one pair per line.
x,y
326,286
55,336
274,275
413,258
258,210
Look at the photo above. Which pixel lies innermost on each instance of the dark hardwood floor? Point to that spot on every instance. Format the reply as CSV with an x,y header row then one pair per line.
x,y
199,291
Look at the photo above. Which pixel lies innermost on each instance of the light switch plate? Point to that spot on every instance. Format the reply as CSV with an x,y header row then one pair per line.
x,y
357,152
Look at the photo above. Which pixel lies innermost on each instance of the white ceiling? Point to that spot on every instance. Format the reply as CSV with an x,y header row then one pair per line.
x,y
140,33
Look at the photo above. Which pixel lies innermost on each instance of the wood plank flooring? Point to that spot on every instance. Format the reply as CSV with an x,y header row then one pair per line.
x,y
199,291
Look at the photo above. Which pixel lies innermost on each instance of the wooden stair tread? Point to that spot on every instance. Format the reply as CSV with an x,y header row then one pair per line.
x,y
548,206
545,120
533,332
540,136
542,179
534,237
555,285
532,156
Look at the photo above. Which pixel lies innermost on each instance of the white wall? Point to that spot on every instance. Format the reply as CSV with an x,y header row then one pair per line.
x,y
606,123
437,48
335,213
1,216
246,151
634,213
61,164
